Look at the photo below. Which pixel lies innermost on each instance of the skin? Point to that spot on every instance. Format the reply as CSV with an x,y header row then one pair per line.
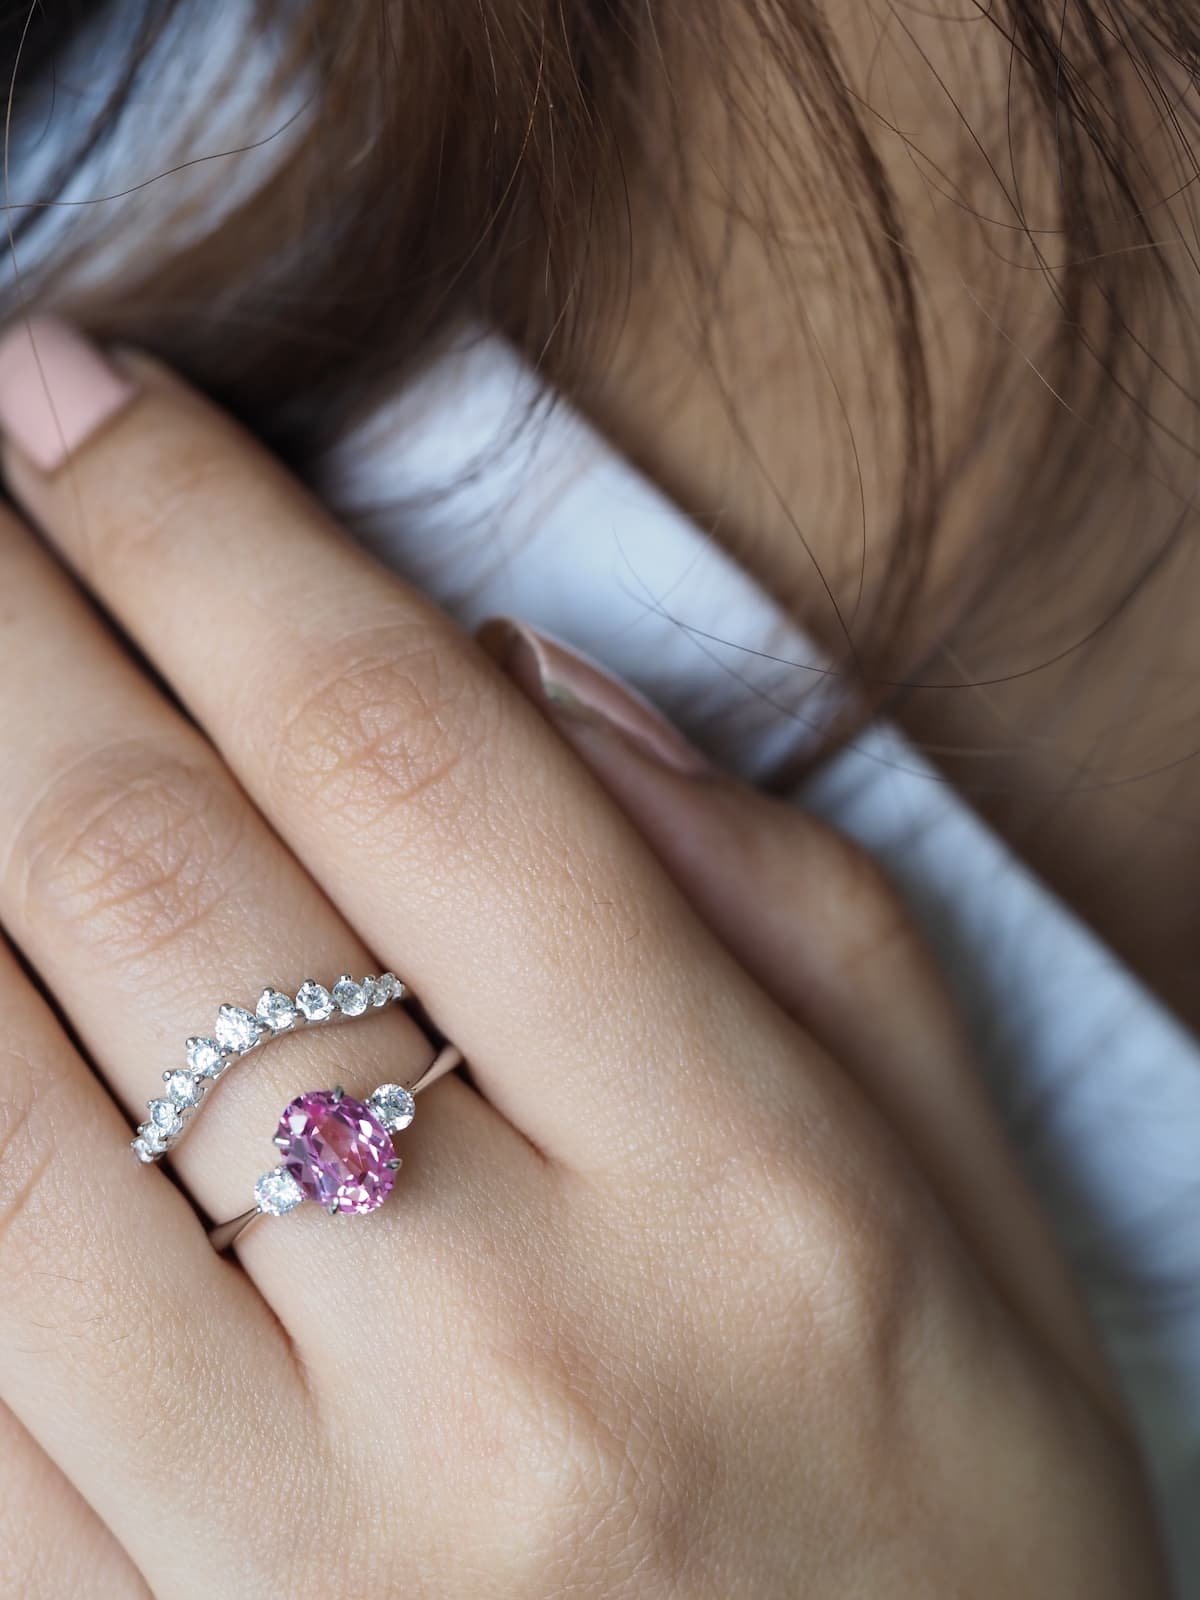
x,y
715,1278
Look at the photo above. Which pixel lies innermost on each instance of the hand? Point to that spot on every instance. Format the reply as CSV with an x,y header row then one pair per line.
x,y
713,1279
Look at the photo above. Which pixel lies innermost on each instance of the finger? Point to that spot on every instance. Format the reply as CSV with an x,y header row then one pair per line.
x,y
145,889
413,782
134,1356
51,1541
818,925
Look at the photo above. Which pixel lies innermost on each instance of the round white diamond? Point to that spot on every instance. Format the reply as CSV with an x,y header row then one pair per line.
x,y
204,1057
314,1002
277,1010
389,987
143,1151
165,1117
349,997
154,1138
277,1192
393,1106
237,1029
183,1088
371,992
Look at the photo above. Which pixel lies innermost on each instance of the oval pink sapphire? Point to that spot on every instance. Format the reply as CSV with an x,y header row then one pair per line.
x,y
336,1151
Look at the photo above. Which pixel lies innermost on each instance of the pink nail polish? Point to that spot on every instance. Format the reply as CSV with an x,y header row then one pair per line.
x,y
56,390
570,685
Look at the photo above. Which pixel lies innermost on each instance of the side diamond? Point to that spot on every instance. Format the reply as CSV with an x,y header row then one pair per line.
x,y
153,1138
277,1011
393,1106
277,1192
388,987
183,1088
237,1029
314,1002
349,997
204,1057
143,1151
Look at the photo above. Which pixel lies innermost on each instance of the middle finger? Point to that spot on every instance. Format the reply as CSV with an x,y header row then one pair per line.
x,y
146,890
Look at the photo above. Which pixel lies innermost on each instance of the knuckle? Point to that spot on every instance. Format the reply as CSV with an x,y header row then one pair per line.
x,y
382,728
132,848
868,906
608,1477
28,1164
124,529
593,1484
855,1277
820,1250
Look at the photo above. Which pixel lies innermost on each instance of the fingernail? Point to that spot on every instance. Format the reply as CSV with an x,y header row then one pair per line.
x,y
572,687
56,390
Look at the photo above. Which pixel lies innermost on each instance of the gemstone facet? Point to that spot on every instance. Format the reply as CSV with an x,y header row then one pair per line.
x,y
237,1029
153,1138
349,997
204,1057
314,1002
183,1088
337,1151
277,1010
165,1117
394,1106
277,1192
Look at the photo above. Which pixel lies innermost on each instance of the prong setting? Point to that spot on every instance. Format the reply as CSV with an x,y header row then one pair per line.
x,y
238,1030
337,1151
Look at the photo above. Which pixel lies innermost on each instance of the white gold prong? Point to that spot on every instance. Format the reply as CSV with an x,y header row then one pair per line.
x,y
333,1208
282,1140
338,1093
394,1164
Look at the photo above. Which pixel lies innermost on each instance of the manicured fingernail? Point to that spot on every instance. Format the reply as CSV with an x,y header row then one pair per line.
x,y
56,390
571,687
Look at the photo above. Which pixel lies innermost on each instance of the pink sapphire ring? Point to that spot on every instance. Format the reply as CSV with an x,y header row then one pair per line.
x,y
336,1151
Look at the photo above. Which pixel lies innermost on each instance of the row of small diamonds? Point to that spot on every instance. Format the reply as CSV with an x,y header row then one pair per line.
x,y
239,1031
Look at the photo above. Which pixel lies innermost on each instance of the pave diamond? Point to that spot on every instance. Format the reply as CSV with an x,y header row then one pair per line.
x,y
237,1029
314,1001
204,1057
277,1192
277,1010
349,997
165,1117
183,1088
393,1106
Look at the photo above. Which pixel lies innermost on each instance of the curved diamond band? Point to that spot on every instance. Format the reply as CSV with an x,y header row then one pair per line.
x,y
336,1151
238,1031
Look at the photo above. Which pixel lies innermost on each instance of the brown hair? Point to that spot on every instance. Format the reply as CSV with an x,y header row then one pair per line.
x,y
472,164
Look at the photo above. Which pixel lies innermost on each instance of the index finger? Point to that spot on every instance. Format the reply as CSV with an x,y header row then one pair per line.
x,y
463,840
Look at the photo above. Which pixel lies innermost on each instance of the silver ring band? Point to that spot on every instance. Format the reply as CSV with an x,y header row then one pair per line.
x,y
237,1032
